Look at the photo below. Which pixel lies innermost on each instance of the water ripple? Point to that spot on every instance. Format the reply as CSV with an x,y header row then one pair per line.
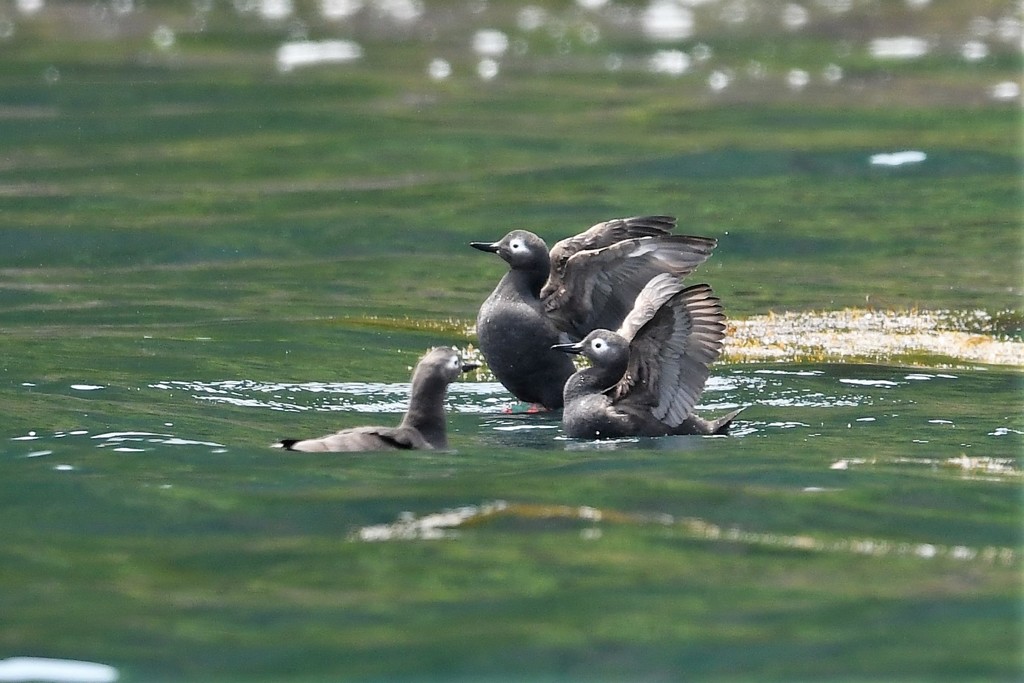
x,y
360,397
446,524
122,442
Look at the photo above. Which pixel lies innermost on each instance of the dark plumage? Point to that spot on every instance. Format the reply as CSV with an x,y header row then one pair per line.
x,y
424,424
646,378
585,282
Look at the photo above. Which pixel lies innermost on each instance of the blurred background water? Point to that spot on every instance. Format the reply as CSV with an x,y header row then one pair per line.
x,y
224,223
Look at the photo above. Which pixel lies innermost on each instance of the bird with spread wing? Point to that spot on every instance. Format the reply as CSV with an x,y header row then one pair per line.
x,y
646,377
584,282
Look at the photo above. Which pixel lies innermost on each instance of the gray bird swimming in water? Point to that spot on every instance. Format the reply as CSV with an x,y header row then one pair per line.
x,y
424,425
646,378
585,282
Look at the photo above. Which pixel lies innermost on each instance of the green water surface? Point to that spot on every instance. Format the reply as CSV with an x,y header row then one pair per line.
x,y
202,254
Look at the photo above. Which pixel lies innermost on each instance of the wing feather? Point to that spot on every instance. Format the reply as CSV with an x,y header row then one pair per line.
x,y
671,355
598,286
617,229
600,236
651,298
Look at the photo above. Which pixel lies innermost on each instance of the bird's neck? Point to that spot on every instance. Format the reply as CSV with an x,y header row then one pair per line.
x,y
592,380
530,280
426,410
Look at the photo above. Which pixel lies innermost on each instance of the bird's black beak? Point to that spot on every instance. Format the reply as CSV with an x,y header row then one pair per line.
x,y
490,247
470,367
568,348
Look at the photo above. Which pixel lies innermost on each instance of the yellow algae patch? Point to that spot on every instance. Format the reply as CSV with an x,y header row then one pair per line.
x,y
865,335
849,335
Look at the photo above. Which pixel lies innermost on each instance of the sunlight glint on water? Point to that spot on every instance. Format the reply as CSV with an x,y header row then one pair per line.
x,y
775,398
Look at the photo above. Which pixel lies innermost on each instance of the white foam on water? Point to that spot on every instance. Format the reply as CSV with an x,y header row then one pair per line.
x,y
897,158
45,669
899,47
303,53
869,382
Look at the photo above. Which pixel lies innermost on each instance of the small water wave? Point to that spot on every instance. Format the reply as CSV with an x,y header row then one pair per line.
x,y
785,425
572,444
924,377
446,524
869,382
983,467
777,399
785,388
122,441
360,397
117,439
523,427
791,373
87,387
812,400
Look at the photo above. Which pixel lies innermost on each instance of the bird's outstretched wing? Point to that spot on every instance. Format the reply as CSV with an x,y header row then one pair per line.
x,y
648,302
600,236
597,287
671,355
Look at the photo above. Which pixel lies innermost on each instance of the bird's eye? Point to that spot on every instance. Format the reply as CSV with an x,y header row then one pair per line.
x,y
455,362
516,245
597,344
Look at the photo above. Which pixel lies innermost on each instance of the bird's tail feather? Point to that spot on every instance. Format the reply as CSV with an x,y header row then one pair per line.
x,y
722,424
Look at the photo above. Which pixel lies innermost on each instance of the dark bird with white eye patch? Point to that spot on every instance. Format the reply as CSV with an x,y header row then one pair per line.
x,y
646,377
585,282
424,425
